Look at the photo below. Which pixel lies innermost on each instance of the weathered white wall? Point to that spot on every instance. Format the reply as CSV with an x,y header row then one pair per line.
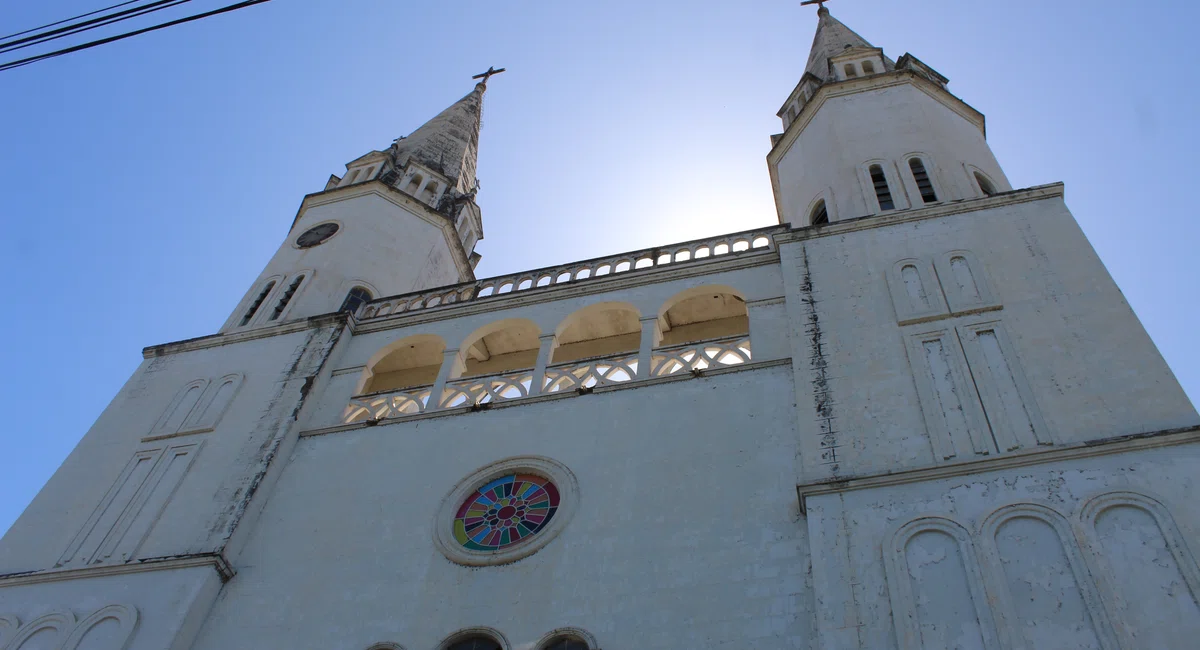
x,y
1056,575
213,487
685,535
1091,369
381,245
884,124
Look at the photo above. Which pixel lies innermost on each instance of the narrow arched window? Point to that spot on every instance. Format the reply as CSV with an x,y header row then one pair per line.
x,y
883,193
868,67
928,195
850,71
286,297
475,643
820,214
567,642
353,176
355,299
253,308
985,185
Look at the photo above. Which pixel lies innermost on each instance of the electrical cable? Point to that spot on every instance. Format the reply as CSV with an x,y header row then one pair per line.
x,y
67,20
61,32
104,41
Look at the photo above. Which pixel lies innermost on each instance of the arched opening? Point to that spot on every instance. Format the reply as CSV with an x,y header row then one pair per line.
x,y
475,642
430,192
985,185
883,193
924,184
820,215
501,347
353,176
850,72
703,314
565,642
357,297
253,309
414,184
868,67
598,330
409,362
286,297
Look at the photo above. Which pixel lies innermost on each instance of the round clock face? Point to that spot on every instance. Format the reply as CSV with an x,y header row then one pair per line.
x,y
317,235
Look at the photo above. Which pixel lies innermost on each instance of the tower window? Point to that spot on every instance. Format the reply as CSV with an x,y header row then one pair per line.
x,y
850,71
286,297
253,309
353,176
985,185
928,194
355,299
883,193
868,67
819,215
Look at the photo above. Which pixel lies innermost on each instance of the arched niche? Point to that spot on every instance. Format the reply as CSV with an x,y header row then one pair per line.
x,y
509,344
702,314
598,330
411,361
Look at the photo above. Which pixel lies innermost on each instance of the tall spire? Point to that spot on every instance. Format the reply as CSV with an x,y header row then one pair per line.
x,y
449,143
832,39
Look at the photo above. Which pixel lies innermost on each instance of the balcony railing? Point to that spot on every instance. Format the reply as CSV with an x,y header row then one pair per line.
x,y
699,250
574,376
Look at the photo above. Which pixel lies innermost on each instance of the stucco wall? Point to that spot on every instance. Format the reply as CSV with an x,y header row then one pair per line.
x,y
685,534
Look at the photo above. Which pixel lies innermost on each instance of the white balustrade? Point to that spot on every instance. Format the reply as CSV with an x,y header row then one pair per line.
x,y
700,356
565,377
694,251
486,389
591,373
410,401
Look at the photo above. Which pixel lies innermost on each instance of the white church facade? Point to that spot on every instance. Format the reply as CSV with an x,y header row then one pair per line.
x,y
918,413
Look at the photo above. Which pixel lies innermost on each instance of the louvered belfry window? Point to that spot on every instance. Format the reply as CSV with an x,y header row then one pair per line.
x,y
928,195
882,192
820,215
253,309
286,297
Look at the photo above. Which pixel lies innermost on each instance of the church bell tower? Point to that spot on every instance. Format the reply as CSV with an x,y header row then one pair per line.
x,y
864,135
398,220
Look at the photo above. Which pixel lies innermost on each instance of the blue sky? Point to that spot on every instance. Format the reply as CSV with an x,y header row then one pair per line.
x,y
143,185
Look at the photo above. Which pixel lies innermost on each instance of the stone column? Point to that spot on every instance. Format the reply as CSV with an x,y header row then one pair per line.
x,y
548,343
651,336
452,366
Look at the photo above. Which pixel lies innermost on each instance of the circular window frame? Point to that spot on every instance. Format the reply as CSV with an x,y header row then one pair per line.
x,y
341,227
548,468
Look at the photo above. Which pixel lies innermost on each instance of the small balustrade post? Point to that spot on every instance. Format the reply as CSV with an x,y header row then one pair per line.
x,y
452,365
651,336
548,342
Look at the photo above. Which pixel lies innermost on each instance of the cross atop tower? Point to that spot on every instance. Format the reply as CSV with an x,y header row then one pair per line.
x,y
493,71
820,4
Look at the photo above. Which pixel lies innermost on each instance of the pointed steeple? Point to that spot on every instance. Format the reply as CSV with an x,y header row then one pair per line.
x,y
833,38
449,143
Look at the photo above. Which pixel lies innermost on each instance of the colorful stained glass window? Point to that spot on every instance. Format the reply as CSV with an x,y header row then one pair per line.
x,y
505,512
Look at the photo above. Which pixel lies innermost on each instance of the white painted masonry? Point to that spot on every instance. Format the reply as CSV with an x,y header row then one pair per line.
x,y
933,426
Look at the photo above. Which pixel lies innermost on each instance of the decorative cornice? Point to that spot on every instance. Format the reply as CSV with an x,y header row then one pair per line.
x,y
215,560
229,338
1035,456
1039,193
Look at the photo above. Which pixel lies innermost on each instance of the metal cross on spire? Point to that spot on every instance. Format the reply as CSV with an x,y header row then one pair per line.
x,y
493,71
820,3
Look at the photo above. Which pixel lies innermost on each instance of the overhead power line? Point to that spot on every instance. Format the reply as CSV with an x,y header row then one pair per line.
x,y
87,25
67,20
111,39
